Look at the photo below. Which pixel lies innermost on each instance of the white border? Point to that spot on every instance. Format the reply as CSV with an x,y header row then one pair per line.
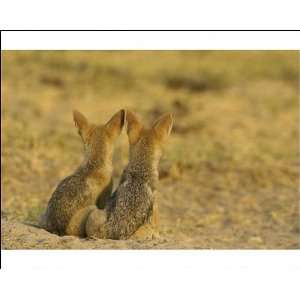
x,y
151,274
155,14
150,40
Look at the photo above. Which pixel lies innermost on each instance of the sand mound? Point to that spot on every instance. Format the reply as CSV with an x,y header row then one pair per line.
x,y
17,235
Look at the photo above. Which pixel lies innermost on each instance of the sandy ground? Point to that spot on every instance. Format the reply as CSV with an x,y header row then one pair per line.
x,y
192,224
229,174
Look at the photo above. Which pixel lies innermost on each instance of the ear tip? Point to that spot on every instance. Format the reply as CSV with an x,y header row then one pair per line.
x,y
123,113
129,112
131,116
75,112
169,116
123,116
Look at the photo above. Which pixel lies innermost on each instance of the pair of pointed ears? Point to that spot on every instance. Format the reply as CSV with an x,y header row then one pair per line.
x,y
114,125
161,128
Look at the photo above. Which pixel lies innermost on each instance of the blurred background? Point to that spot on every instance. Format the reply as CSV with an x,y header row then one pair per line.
x,y
229,173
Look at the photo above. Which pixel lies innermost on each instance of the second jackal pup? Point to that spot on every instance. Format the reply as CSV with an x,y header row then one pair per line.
x,y
132,210
78,193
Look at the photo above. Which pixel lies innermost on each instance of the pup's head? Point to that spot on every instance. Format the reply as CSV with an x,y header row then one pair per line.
x,y
98,140
146,144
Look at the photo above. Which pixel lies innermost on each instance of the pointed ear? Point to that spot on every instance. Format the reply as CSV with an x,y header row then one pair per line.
x,y
163,126
80,120
116,123
134,127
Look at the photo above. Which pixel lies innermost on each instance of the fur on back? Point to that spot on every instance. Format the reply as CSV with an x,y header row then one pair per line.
x,y
129,208
75,192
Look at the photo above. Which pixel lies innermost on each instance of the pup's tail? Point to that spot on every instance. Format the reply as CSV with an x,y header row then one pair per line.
x,y
94,225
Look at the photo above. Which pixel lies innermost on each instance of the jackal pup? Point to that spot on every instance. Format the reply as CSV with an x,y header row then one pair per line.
x,y
78,194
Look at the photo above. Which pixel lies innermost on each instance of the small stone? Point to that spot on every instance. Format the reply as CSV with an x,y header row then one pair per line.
x,y
256,240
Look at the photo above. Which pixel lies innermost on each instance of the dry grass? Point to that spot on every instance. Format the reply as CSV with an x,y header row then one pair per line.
x,y
229,175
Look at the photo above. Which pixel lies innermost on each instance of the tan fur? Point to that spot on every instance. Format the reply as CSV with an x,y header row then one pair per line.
x,y
77,223
90,184
132,212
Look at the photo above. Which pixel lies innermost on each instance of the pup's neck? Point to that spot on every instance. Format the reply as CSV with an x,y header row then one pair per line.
x,y
143,170
96,168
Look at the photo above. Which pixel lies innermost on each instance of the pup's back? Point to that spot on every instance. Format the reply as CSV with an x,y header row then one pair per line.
x,y
130,208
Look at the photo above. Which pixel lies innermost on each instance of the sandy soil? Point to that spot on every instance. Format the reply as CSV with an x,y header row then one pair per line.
x,y
238,223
